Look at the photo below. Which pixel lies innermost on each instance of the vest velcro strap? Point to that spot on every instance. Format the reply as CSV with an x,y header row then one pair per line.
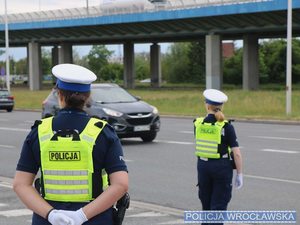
x,y
66,172
66,182
67,192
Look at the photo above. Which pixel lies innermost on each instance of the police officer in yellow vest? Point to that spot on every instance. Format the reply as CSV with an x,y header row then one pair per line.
x,y
215,140
71,150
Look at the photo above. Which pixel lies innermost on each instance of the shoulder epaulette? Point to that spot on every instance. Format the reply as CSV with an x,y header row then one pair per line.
x,y
36,124
99,124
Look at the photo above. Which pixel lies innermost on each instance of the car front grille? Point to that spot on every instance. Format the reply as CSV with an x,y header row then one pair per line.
x,y
139,121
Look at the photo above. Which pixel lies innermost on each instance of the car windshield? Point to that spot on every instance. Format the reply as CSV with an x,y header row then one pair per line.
x,y
4,93
111,95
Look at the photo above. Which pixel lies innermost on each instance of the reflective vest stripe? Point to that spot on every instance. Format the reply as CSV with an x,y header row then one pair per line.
x,y
205,147
68,192
206,141
66,172
45,137
66,182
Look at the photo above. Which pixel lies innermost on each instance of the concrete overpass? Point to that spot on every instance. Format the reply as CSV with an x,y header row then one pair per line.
x,y
188,20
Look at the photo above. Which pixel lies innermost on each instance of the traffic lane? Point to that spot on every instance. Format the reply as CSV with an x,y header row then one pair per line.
x,y
268,149
185,182
20,119
162,173
167,180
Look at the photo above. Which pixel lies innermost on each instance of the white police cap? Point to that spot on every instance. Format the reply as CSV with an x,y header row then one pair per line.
x,y
73,77
214,97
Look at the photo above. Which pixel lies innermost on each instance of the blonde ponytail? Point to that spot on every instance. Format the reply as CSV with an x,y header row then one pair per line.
x,y
219,115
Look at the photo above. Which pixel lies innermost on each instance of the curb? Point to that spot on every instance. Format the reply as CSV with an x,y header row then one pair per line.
x,y
239,120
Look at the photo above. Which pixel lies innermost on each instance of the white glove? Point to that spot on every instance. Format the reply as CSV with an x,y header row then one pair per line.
x,y
57,218
238,180
77,217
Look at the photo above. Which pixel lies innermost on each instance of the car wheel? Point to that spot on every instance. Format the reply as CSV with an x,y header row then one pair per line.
x,y
148,137
9,110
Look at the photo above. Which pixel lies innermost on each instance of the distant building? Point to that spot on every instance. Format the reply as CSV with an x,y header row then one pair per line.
x,y
228,49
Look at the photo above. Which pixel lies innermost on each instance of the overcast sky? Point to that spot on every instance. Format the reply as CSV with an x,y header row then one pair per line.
x,y
17,6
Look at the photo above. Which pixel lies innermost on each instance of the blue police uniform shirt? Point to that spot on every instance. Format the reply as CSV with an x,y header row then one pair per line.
x,y
107,154
229,137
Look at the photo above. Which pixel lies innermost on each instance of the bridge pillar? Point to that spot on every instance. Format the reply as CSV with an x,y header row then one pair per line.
x,y
214,73
129,70
250,63
155,65
35,67
54,54
65,53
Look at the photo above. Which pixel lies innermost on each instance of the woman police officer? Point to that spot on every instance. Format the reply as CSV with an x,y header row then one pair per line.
x,y
71,149
215,139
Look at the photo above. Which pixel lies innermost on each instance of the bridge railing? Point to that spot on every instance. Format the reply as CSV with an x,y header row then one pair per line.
x,y
95,11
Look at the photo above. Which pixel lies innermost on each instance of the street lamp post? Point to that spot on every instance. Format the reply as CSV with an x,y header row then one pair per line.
x,y
289,60
87,7
7,49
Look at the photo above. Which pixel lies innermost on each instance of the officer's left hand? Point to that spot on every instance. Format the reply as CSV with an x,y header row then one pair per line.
x,y
238,180
78,217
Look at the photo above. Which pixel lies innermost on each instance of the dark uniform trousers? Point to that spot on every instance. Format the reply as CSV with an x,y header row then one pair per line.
x,y
215,183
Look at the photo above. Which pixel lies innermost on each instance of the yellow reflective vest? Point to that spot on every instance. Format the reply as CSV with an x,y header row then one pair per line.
x,y
67,164
208,138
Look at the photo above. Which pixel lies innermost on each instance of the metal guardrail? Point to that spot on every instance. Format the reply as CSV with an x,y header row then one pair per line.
x,y
95,11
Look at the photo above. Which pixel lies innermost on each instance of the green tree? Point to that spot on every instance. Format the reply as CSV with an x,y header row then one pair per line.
x,y
296,61
233,68
196,66
78,60
274,52
176,63
112,72
21,66
46,61
98,59
142,66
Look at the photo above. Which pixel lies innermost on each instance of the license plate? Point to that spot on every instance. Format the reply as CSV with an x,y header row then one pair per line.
x,y
142,128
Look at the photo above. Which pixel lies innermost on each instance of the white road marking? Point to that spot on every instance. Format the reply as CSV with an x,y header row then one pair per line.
x,y
175,142
6,185
272,179
186,132
2,204
16,212
128,160
29,121
7,146
148,214
276,138
14,129
280,151
173,222
156,208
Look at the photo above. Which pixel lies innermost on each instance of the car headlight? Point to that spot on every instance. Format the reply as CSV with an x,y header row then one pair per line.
x,y
155,110
111,112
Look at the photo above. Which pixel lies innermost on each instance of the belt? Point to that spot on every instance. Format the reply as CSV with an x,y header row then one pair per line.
x,y
225,156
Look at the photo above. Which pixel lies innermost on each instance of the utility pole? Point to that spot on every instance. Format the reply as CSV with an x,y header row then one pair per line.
x,y
289,60
7,49
87,7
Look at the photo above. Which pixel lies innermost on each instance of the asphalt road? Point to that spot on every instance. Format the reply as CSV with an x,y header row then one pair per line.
x,y
163,173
